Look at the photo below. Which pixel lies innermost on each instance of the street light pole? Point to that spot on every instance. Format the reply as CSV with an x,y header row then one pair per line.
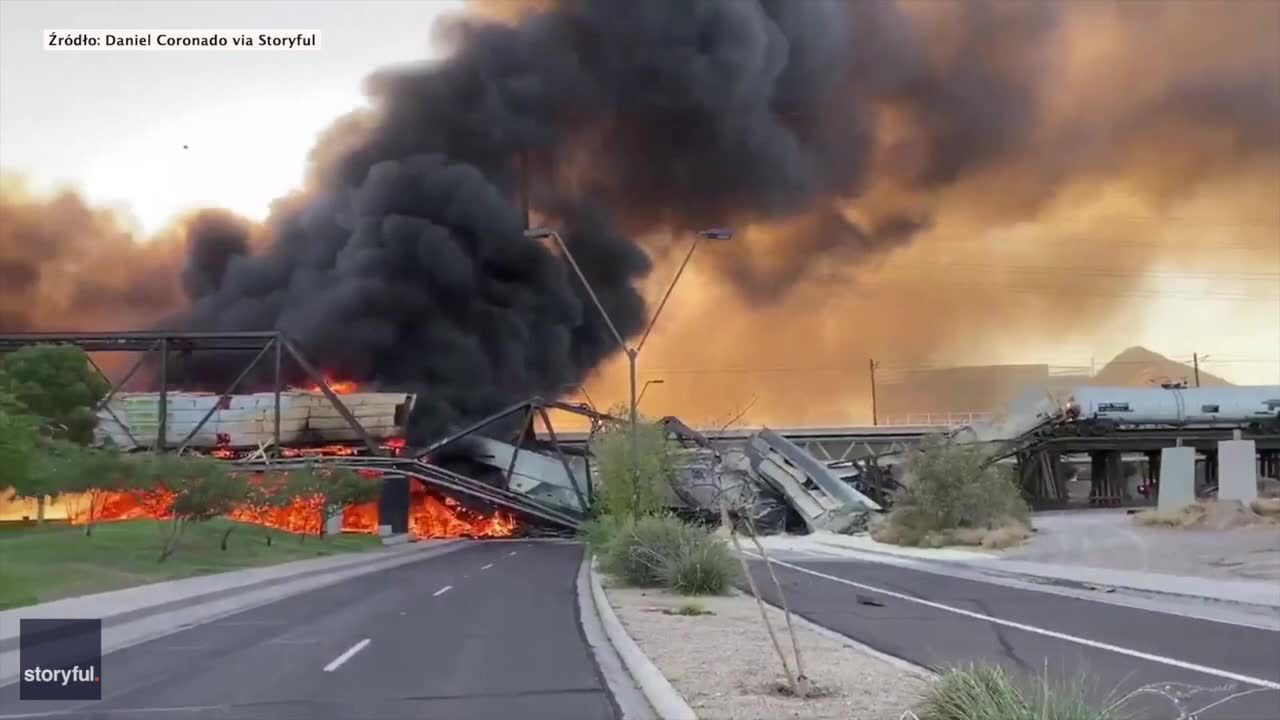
x,y
645,388
632,353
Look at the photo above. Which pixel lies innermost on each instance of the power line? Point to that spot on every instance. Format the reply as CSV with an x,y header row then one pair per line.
x,y
1100,272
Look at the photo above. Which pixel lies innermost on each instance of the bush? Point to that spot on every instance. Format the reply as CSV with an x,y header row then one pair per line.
x,y
623,491
662,551
704,567
989,693
954,497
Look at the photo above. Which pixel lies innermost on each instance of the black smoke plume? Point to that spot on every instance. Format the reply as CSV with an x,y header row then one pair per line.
x,y
407,266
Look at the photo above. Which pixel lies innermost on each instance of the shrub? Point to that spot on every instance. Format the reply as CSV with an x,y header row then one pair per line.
x,y
955,497
662,551
989,693
600,532
704,567
623,491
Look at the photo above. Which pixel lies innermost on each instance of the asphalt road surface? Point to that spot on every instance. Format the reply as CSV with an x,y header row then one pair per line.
x,y
939,621
488,631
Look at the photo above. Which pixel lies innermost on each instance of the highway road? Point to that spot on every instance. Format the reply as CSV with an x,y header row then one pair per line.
x,y
939,621
488,631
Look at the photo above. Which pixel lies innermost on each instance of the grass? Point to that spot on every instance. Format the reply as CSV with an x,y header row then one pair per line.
x,y
989,693
691,608
662,551
43,563
1213,514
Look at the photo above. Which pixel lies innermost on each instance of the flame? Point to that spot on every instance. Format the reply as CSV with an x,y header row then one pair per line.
x,y
339,387
430,515
323,450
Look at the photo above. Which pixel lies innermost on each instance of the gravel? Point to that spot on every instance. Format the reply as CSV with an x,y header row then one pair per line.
x,y
725,667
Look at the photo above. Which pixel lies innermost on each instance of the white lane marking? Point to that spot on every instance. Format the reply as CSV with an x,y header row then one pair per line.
x,y
513,552
486,567
351,651
1172,662
442,591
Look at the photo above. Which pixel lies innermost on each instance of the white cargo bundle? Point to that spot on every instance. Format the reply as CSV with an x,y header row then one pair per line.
x,y
249,420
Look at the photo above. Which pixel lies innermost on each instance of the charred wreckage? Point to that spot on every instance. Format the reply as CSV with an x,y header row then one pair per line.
x,y
509,473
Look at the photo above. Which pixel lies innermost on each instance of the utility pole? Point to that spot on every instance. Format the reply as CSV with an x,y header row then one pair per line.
x,y
1195,363
872,365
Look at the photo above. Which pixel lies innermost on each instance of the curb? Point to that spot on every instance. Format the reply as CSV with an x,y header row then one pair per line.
x,y
664,698
140,625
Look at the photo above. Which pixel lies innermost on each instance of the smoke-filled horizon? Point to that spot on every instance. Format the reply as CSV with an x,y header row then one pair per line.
x,y
837,138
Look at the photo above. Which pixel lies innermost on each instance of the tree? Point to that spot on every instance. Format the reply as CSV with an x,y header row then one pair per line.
x,y
624,492
332,489
19,434
202,489
88,473
57,384
266,493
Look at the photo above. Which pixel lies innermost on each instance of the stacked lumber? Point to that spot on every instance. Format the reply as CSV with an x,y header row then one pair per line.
x,y
132,420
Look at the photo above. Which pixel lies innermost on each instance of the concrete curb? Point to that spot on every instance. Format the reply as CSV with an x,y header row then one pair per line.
x,y
136,630
664,698
627,696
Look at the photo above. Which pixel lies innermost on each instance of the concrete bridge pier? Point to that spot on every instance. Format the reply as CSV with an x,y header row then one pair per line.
x,y
1106,473
393,506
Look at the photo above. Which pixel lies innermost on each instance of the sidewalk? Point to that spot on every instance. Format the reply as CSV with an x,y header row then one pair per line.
x,y
134,615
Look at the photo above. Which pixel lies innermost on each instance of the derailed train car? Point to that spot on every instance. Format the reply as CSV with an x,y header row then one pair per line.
x,y
1254,407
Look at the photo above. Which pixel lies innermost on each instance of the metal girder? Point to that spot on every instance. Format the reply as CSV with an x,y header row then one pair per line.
x,y
167,342
429,475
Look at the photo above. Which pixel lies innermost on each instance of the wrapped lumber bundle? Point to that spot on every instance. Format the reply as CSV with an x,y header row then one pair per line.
x,y
131,420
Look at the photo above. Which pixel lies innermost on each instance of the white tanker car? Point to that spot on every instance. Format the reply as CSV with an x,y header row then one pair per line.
x,y
1255,406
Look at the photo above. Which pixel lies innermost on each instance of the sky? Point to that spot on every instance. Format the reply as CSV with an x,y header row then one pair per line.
x,y
157,133
115,123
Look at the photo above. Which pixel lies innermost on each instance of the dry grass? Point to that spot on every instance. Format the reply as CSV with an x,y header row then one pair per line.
x,y
1000,535
1213,515
1267,507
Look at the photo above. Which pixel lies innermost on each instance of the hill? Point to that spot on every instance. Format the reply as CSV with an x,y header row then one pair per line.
x,y
1138,367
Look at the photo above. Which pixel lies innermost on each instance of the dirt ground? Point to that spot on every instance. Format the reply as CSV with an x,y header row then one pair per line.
x,y
724,665
1111,539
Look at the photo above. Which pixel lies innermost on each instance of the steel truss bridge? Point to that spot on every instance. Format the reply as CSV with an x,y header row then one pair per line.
x,y
828,444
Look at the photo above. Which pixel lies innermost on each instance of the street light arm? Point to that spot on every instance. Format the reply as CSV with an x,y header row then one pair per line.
x,y
667,295
592,293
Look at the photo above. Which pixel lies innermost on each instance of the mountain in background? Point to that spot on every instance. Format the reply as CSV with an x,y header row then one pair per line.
x,y
1140,367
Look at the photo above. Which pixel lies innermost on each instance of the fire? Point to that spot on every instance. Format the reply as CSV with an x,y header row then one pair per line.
x,y
340,387
430,515
324,450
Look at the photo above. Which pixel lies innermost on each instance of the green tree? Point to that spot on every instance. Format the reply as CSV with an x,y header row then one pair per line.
x,y
57,384
269,492
202,489
333,489
86,474
624,492
19,435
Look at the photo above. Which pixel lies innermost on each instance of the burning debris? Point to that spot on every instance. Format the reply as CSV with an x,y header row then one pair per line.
x,y
431,514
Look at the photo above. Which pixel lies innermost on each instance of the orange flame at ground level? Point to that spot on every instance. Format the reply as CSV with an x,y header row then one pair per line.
x,y
339,387
430,515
